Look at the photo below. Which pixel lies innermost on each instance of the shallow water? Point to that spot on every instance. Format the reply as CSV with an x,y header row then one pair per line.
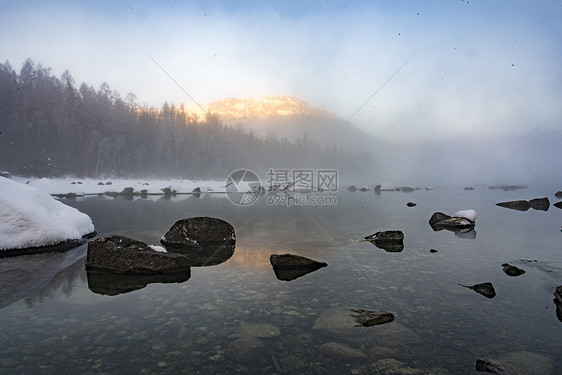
x,y
53,323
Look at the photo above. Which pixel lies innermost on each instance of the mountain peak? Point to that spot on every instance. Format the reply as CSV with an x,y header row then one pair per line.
x,y
230,109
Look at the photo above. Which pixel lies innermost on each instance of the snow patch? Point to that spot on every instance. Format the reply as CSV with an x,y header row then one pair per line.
x,y
467,214
160,249
30,217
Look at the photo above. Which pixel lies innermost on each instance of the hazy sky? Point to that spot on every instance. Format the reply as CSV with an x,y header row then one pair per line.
x,y
476,67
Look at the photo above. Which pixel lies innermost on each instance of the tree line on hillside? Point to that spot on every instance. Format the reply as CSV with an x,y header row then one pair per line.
x,y
50,127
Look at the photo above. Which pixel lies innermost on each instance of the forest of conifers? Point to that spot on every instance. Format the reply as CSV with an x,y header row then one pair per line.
x,y
51,127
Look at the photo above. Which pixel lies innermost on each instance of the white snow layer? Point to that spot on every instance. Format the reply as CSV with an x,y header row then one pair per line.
x,y
467,214
157,248
30,217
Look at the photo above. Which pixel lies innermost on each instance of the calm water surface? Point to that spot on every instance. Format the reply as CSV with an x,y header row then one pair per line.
x,y
53,323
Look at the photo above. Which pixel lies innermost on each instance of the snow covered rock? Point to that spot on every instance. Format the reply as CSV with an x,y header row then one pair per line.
x,y
461,220
467,214
32,219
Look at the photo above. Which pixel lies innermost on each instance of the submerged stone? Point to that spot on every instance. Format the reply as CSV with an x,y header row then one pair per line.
x,y
341,352
344,318
521,363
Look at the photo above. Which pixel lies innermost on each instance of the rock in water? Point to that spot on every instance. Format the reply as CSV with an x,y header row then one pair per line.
x,y
558,292
125,255
437,217
512,270
558,194
342,318
558,204
390,240
541,204
293,261
191,232
411,204
520,205
489,365
462,220
558,302
245,349
387,236
520,363
486,289
289,267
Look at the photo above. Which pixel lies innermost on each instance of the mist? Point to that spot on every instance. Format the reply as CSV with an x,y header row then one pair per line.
x,y
455,93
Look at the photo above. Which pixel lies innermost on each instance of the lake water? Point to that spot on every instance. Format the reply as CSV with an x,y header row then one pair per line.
x,y
53,323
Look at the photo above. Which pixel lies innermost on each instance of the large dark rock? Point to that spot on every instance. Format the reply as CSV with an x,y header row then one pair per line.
x,y
195,231
486,289
519,205
542,204
124,255
558,204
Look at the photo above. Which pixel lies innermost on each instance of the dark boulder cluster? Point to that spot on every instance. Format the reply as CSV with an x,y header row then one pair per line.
x,y
118,264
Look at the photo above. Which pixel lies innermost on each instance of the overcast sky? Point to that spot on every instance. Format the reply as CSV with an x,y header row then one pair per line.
x,y
446,68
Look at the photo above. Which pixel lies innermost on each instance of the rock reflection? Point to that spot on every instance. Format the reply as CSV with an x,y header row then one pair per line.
x,y
206,254
112,284
295,273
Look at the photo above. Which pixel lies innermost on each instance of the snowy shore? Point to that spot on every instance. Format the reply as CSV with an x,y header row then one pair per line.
x,y
30,217
79,187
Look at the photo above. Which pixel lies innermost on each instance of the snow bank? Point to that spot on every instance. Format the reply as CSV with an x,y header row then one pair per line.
x,y
88,186
30,217
467,214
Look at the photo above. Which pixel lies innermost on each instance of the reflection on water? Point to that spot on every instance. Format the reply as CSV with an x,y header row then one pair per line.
x,y
112,284
237,317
